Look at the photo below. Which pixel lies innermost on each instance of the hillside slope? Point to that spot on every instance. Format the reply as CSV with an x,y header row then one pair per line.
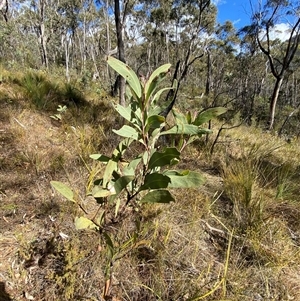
x,y
235,238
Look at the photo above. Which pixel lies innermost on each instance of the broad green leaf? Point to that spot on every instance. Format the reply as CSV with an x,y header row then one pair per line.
x,y
100,157
204,131
99,192
136,112
208,114
155,133
164,158
129,170
127,132
158,196
84,223
184,129
129,75
154,111
134,163
145,158
179,117
125,112
184,179
157,95
131,113
64,190
119,185
111,166
155,78
154,121
122,182
155,181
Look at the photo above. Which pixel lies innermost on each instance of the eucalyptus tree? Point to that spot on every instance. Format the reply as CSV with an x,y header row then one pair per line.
x,y
17,45
178,32
220,59
265,20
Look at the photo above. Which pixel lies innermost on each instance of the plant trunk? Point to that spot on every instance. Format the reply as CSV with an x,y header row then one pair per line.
x,y
273,102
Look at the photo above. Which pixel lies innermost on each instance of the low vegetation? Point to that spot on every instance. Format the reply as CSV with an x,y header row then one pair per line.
x,y
236,237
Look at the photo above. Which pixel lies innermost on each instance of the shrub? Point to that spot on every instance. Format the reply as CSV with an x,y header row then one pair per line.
x,y
131,179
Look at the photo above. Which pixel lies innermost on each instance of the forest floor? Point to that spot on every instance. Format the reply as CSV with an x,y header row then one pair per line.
x,y
235,238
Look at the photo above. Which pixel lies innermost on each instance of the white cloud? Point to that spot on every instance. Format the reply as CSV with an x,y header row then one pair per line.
x,y
236,21
280,31
218,2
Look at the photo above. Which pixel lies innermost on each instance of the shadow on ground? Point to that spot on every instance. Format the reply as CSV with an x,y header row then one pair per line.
x,y
4,296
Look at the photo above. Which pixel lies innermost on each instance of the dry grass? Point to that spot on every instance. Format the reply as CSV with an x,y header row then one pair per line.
x,y
235,238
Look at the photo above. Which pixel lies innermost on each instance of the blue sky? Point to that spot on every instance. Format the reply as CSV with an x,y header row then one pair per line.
x,y
237,11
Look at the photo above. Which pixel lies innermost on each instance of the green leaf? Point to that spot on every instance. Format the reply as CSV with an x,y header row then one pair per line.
x,y
84,223
127,132
154,111
129,75
99,192
121,148
164,158
136,112
100,157
131,113
179,117
183,129
155,181
208,114
157,95
158,196
154,121
184,179
119,185
156,77
134,163
111,166
64,190
122,182
125,112
129,170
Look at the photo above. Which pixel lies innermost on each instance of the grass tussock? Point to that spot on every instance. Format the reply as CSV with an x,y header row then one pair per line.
x,y
235,238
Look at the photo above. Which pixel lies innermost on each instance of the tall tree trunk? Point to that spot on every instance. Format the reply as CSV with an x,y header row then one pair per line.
x,y
121,50
83,59
108,44
4,4
41,33
65,43
274,100
208,74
